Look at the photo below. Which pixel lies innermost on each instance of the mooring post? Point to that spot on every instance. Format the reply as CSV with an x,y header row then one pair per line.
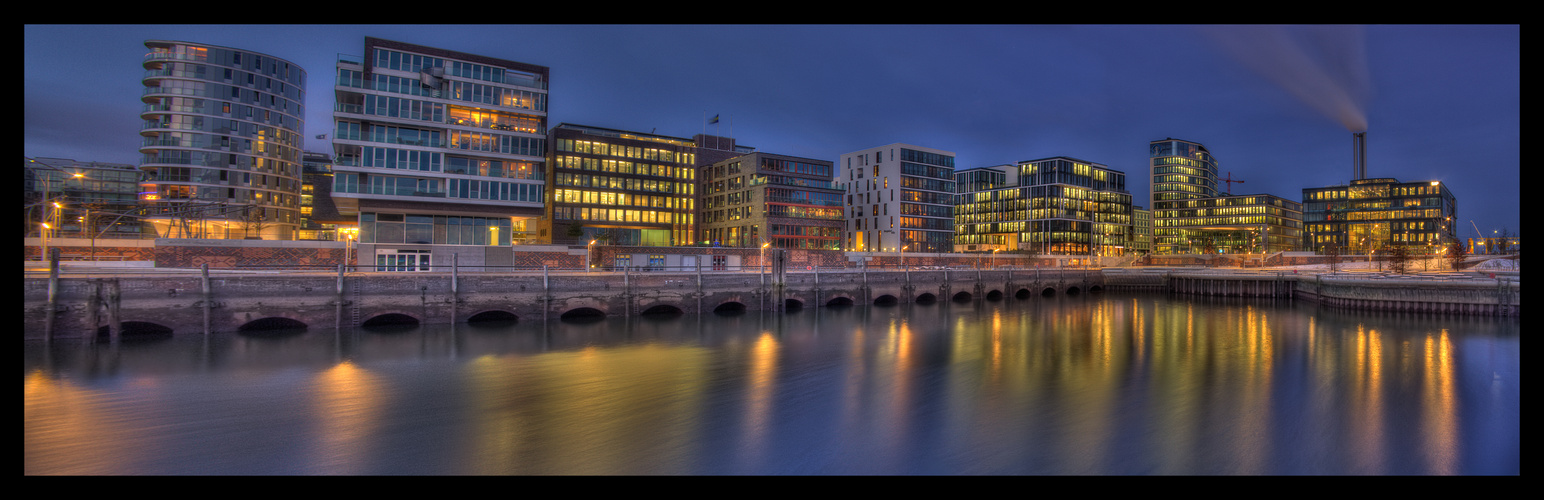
x,y
93,310
114,299
53,294
203,271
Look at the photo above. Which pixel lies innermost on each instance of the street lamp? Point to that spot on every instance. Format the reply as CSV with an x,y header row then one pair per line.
x,y
764,259
589,256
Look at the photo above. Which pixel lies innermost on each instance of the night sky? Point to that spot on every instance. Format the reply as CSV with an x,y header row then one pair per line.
x,y
1275,105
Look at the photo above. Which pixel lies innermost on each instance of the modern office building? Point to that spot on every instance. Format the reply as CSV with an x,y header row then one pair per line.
x,y
319,217
1190,215
437,150
618,187
775,200
1368,215
1051,206
1255,223
222,139
64,193
1181,170
1141,240
898,197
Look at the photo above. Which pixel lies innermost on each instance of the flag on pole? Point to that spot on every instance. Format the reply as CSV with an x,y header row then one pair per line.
x,y
714,120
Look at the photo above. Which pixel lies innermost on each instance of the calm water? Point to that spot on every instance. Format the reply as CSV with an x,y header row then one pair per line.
x,y
1103,384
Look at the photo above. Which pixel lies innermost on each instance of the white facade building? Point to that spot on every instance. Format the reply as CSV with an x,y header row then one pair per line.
x,y
898,197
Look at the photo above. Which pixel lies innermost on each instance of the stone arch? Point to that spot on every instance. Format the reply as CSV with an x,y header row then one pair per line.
x,y
792,304
662,310
926,298
994,295
1095,289
583,314
1023,293
961,297
1073,290
390,320
1048,292
730,307
885,300
271,323
492,315
839,301
138,329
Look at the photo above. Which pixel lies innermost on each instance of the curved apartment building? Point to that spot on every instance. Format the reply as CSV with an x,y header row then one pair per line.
x,y
222,142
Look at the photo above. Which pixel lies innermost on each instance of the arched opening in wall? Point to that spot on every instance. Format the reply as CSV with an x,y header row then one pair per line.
x,y
961,297
839,302
493,317
272,327
391,322
792,304
139,330
926,298
1095,289
1048,292
662,311
1072,290
886,300
1023,293
730,309
994,295
583,315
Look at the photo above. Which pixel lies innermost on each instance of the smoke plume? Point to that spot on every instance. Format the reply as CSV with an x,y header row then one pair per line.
x,y
1325,67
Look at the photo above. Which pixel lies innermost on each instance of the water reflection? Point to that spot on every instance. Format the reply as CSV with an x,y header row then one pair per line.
x,y
1096,384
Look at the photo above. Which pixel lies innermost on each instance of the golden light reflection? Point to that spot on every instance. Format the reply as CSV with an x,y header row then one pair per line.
x,y
76,430
759,396
1439,405
349,401
1365,412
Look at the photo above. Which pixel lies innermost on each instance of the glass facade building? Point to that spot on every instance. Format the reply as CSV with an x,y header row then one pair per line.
x,y
898,197
621,188
437,147
1367,215
1058,205
222,142
781,201
102,191
1190,215
1257,223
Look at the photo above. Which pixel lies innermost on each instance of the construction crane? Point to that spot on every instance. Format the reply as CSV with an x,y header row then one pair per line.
x,y
1230,182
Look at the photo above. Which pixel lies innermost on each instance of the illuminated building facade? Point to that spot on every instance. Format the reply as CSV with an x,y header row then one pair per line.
x,y
436,150
1141,241
781,201
898,197
1190,215
102,191
1367,215
1051,206
621,188
319,217
222,141
1256,223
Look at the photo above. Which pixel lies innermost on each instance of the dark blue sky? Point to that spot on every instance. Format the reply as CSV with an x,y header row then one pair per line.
x,y
1276,105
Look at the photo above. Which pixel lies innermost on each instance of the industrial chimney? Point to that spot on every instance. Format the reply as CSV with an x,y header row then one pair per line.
x,y
1359,155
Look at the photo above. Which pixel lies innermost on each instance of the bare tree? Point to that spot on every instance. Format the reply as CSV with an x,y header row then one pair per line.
x,y
1399,258
1333,252
1456,255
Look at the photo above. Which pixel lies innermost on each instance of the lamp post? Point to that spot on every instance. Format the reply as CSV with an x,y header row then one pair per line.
x,y
589,256
764,260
